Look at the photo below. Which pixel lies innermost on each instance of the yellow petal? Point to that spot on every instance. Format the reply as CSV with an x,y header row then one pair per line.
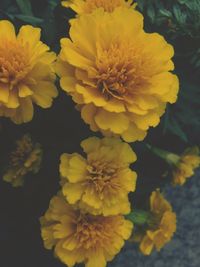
x,y
24,90
7,30
158,203
90,144
96,259
13,101
133,134
77,169
44,92
25,111
117,123
29,34
146,246
88,114
68,84
68,257
91,95
73,192
64,164
91,198
4,93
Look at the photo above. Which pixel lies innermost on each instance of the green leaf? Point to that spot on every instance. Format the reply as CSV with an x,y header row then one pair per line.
x,y
179,15
25,7
165,13
176,129
138,217
29,19
151,13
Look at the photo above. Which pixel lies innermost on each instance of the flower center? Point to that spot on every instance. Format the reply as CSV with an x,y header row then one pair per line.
x,y
108,5
14,61
92,232
24,148
101,176
121,70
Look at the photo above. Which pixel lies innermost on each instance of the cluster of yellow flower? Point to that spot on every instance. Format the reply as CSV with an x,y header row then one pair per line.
x,y
25,158
118,75
161,224
85,221
120,78
183,166
121,86
26,72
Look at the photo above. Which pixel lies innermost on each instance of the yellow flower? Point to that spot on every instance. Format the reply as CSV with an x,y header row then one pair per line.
x,y
99,183
187,163
116,73
26,73
162,225
79,237
88,6
26,158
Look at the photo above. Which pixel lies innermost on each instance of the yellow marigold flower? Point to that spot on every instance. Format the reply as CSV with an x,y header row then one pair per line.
x,y
185,166
79,237
116,73
99,183
88,6
162,225
26,73
26,158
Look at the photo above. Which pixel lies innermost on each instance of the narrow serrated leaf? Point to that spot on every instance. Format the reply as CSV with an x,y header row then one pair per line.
x,y
29,19
25,7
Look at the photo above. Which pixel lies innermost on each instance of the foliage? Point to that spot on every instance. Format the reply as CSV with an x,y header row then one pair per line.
x,y
179,22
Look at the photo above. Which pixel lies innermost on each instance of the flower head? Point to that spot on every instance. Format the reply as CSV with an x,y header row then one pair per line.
x,y
99,183
116,73
161,226
26,73
187,163
88,6
26,158
79,237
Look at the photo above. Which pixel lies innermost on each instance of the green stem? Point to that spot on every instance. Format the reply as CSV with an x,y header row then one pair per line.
x,y
138,217
169,157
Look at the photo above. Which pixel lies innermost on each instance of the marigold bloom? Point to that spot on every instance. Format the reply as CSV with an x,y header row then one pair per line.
x,y
26,158
100,183
116,73
187,163
79,237
26,73
88,6
162,225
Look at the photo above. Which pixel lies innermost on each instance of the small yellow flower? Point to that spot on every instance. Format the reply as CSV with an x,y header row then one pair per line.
x,y
78,237
99,183
117,74
88,6
26,73
161,226
187,163
26,158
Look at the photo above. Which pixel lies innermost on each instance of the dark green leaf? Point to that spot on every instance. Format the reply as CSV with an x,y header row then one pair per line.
x,y
29,19
25,7
165,13
176,129
151,13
